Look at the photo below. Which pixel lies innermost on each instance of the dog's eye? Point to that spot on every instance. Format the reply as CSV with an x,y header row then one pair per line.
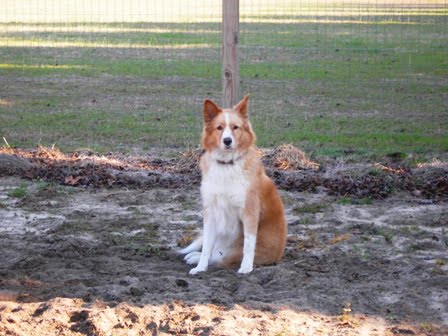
x,y
219,128
235,127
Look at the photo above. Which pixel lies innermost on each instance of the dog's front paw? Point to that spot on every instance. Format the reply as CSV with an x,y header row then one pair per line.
x,y
192,258
196,270
244,269
185,250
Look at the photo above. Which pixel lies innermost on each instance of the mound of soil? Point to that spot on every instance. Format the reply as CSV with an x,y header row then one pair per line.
x,y
287,165
13,165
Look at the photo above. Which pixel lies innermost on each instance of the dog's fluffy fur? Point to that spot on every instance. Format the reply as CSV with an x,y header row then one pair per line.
x,y
244,221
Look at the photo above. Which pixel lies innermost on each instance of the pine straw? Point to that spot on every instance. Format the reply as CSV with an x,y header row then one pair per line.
x,y
433,164
287,165
288,157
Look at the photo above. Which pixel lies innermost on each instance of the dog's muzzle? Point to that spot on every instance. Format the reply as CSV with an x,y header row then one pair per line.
x,y
227,142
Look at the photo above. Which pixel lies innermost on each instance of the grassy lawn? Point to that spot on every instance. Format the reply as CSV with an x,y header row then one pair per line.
x,y
368,83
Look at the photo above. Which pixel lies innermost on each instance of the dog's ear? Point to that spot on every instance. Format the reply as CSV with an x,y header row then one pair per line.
x,y
211,110
243,107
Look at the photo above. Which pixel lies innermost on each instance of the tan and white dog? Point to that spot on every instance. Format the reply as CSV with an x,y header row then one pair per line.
x,y
244,221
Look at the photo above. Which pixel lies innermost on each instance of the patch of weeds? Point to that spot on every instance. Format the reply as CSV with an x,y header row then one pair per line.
x,y
374,171
415,247
19,192
43,185
440,262
387,235
345,200
311,208
415,160
365,201
405,230
397,156
428,327
2,205
417,231
305,220
45,188
149,250
438,267
361,252
390,190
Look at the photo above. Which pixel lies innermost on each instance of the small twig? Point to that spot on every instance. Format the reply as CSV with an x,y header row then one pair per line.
x,y
6,142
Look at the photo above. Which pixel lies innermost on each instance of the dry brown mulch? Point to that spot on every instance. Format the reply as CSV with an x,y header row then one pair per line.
x,y
287,165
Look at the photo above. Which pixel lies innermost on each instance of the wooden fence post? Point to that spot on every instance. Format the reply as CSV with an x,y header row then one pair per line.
x,y
230,41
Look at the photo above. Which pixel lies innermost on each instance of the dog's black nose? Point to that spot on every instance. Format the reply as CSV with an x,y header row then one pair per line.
x,y
227,141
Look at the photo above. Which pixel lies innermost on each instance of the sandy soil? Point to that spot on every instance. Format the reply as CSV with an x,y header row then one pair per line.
x,y
78,261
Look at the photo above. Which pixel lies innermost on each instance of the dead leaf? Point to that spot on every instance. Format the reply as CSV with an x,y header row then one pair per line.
x,y
340,239
71,180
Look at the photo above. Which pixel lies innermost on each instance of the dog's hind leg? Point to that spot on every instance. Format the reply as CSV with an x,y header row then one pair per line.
x,y
232,259
196,245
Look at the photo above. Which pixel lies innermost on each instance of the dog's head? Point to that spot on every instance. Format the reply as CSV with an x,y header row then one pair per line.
x,y
227,132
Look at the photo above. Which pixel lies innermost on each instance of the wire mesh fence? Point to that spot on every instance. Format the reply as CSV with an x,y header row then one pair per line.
x,y
337,77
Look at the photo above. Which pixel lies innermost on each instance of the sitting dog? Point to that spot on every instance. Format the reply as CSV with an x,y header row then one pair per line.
x,y
244,221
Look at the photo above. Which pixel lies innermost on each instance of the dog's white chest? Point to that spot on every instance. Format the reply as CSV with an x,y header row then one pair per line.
x,y
225,186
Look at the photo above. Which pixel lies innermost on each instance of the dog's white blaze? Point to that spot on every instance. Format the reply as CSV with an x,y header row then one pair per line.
x,y
227,131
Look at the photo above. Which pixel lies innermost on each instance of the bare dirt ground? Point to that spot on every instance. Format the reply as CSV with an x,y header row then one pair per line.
x,y
103,261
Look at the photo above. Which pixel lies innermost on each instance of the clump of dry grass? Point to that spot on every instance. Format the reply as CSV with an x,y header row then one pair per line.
x,y
288,157
340,238
434,164
189,160
50,153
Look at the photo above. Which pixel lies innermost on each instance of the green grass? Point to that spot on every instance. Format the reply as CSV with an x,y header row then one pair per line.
x,y
358,201
19,192
96,126
311,208
95,68
387,235
331,70
358,81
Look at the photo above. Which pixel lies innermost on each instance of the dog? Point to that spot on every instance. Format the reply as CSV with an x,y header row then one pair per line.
x,y
244,221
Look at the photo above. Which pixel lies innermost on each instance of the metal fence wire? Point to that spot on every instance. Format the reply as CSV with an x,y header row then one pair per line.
x,y
337,77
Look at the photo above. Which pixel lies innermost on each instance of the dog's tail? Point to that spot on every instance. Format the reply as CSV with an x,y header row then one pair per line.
x,y
196,245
